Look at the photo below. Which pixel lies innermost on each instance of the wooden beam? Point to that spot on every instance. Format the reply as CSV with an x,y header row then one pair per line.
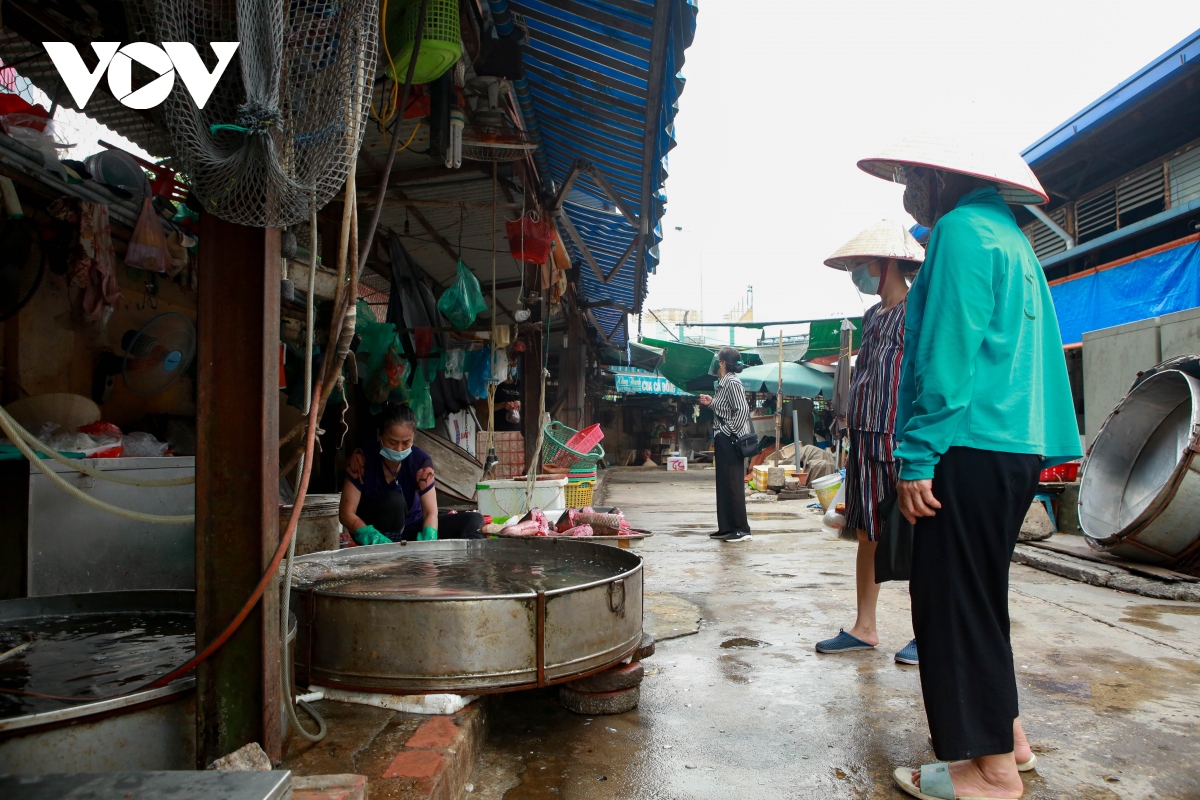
x,y
439,204
238,697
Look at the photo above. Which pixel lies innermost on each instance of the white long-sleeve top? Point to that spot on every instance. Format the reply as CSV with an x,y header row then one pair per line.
x,y
730,408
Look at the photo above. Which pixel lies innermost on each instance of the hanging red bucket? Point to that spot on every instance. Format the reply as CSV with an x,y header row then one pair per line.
x,y
529,238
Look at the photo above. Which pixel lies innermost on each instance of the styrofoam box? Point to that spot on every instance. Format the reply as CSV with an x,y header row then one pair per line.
x,y
677,464
501,498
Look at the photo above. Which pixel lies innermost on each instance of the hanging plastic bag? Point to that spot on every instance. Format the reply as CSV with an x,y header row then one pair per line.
x,y
529,238
420,400
456,364
478,372
148,244
463,301
500,366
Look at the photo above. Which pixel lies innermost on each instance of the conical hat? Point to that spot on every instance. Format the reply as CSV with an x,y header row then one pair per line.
x,y
884,239
1012,176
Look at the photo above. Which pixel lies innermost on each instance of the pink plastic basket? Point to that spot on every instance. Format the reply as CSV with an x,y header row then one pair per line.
x,y
586,439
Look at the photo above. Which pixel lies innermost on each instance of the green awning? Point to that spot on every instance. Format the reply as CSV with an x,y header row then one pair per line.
x,y
824,337
686,365
798,380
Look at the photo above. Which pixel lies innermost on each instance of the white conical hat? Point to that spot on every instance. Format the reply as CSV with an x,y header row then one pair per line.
x,y
884,239
1012,176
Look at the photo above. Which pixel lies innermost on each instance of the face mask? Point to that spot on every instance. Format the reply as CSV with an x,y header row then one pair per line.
x,y
394,455
864,281
918,195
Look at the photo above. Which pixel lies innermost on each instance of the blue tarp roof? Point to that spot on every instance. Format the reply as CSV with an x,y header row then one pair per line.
x,y
587,76
1144,82
1148,287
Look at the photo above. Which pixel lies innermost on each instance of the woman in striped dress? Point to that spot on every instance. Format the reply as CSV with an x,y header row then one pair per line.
x,y
732,419
877,259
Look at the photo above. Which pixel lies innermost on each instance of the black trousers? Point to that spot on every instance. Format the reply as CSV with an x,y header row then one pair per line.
x,y
731,485
388,514
959,590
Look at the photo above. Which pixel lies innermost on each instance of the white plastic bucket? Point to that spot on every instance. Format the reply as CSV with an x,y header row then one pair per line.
x,y
826,489
508,498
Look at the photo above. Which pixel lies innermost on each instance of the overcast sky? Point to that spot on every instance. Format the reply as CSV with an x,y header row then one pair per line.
x,y
783,97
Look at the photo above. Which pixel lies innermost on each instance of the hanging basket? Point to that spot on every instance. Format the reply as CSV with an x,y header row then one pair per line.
x,y
529,238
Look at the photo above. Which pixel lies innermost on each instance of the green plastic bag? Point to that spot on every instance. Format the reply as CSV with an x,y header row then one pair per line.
x,y
420,399
463,301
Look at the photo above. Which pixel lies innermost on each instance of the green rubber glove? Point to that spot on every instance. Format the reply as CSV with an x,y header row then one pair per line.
x,y
427,534
368,534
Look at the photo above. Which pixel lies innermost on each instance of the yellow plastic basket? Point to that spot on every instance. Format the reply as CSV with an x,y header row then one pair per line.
x,y
579,495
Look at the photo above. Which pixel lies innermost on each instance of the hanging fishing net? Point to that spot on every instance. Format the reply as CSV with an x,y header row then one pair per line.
x,y
282,129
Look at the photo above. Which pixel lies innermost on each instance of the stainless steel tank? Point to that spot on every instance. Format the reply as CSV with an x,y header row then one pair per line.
x,y
1139,492
149,730
465,616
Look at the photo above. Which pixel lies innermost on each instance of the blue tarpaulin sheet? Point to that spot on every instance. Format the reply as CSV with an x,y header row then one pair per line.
x,y
1158,284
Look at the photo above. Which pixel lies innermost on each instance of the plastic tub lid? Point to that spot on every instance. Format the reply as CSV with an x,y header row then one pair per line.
x,y
828,480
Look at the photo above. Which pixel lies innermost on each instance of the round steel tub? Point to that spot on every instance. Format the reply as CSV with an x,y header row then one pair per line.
x,y
150,730
467,644
1139,492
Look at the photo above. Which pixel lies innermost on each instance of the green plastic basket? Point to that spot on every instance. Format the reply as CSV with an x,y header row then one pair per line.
x,y
555,450
441,41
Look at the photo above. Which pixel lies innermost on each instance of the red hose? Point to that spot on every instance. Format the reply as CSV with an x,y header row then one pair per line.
x,y
273,569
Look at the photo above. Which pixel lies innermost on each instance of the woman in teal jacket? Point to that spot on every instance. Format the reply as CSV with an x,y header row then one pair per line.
x,y
984,405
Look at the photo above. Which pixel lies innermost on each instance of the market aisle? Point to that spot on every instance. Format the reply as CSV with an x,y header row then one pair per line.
x,y
746,709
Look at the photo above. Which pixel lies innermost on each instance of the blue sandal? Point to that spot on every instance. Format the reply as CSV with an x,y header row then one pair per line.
x,y
842,643
935,783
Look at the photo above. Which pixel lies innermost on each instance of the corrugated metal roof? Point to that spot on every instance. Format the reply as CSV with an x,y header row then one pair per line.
x,y
589,70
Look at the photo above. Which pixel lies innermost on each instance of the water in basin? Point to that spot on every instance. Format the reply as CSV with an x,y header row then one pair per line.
x,y
88,655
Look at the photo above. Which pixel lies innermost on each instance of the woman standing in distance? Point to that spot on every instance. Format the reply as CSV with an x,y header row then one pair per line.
x,y
732,419
876,259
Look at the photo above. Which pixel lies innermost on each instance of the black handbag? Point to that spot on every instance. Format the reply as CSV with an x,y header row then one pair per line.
x,y
893,552
747,444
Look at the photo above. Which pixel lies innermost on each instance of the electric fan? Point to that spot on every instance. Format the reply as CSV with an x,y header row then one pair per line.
x,y
158,354
21,262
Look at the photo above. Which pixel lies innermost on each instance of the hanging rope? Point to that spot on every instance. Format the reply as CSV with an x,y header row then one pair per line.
x,y
491,387
310,308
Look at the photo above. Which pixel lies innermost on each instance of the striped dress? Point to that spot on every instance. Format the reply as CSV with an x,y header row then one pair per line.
x,y
730,407
871,417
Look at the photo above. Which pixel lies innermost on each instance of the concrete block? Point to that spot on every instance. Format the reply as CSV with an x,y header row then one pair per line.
x,y
623,676
1037,524
250,758
599,704
776,478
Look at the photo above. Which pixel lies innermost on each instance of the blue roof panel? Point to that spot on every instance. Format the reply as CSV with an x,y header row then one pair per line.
x,y
584,95
1165,69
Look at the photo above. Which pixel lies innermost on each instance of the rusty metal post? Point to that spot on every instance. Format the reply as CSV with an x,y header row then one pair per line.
x,y
237,487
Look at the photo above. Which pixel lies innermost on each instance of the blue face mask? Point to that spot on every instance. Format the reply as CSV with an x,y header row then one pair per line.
x,y
394,455
866,283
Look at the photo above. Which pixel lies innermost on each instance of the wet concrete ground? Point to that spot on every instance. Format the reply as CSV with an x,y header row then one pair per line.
x,y
746,709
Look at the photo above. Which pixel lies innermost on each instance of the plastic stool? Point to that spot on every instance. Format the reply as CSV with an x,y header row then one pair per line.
x,y
1047,500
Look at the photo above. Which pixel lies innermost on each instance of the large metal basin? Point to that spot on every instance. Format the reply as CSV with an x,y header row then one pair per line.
x,y
1139,492
149,730
474,643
